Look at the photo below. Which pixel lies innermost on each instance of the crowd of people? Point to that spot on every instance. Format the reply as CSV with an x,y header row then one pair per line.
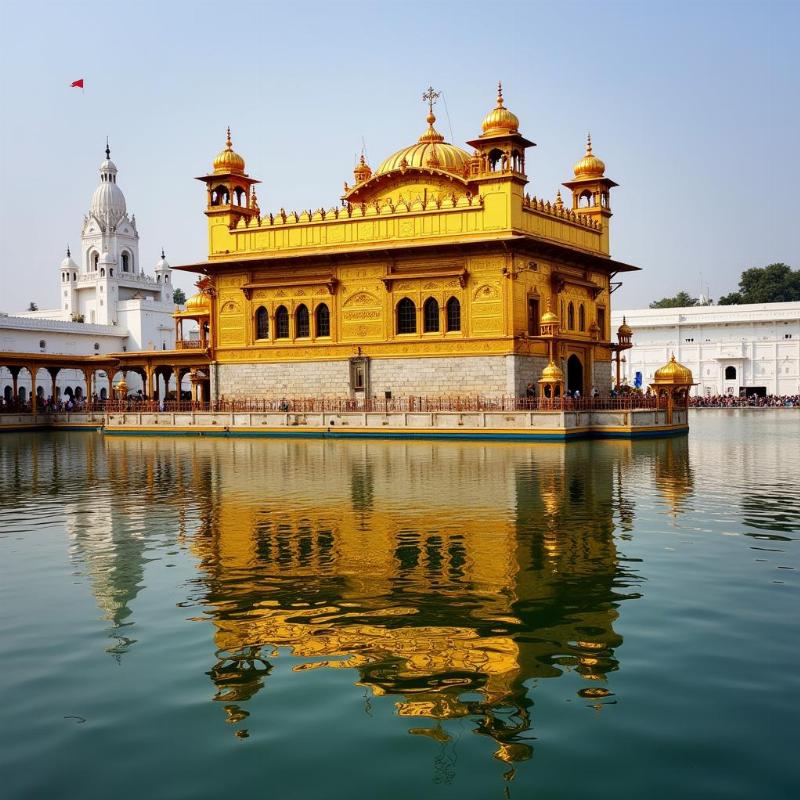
x,y
746,401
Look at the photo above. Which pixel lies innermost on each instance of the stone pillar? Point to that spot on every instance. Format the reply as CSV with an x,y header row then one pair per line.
x,y
33,370
53,374
148,382
177,373
14,382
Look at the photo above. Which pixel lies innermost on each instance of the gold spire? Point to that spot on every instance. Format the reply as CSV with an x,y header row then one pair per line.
x,y
228,160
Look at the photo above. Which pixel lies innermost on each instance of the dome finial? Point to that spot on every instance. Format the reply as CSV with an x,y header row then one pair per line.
x,y
228,142
430,96
68,252
108,149
162,253
588,144
499,94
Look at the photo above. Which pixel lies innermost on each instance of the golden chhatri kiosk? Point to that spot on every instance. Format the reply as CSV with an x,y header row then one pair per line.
x,y
430,277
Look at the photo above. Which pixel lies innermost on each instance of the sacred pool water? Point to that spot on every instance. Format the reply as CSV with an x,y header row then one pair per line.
x,y
187,618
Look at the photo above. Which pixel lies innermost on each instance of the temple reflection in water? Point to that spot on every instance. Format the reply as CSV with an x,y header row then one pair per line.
x,y
449,577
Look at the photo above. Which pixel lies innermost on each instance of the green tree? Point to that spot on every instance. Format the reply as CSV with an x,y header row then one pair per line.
x,y
680,299
776,283
178,297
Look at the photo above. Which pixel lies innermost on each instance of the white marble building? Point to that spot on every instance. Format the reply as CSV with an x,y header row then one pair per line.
x,y
107,303
730,349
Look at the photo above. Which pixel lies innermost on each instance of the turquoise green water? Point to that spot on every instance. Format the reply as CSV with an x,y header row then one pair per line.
x,y
205,618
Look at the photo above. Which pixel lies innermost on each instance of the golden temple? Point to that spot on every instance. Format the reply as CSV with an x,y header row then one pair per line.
x,y
431,275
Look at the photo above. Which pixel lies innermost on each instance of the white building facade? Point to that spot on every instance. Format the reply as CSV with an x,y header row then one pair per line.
x,y
745,349
107,303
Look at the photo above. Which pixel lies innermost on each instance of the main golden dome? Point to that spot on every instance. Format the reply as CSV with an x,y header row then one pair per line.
x,y
590,166
431,151
500,120
673,373
228,160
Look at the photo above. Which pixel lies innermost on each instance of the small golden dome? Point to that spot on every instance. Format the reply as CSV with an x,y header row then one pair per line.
x,y
673,373
228,160
122,387
199,303
552,373
500,120
548,317
624,329
590,166
362,171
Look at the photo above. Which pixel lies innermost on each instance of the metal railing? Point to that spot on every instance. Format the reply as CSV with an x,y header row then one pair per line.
x,y
411,404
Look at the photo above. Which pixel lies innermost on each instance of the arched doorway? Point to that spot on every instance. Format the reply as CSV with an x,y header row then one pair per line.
x,y
574,375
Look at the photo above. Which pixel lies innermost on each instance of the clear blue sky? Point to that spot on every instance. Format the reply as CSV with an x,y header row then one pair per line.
x,y
692,105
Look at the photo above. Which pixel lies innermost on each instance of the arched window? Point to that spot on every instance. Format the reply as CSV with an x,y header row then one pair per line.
x,y
453,309
582,318
571,317
323,315
95,259
585,200
730,373
219,196
495,160
406,316
430,315
281,323
126,262
302,322
102,272
262,323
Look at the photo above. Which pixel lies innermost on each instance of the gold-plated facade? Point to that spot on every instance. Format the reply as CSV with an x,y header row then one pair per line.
x,y
433,223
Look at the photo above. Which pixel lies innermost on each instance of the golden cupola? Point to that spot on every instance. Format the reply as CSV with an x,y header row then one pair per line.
x,y
228,160
199,303
500,121
673,373
549,317
590,166
362,172
552,373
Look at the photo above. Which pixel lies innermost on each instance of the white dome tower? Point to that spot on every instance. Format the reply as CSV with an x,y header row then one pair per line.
x,y
109,235
163,273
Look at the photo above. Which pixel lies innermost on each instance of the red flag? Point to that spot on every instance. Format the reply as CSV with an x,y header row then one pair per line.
x,y
78,83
